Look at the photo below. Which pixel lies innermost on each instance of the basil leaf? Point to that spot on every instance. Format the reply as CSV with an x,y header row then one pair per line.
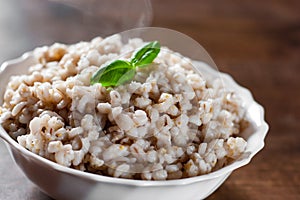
x,y
114,74
146,54
121,71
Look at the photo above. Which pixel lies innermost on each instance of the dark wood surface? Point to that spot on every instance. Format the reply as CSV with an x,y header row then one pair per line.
x,y
257,42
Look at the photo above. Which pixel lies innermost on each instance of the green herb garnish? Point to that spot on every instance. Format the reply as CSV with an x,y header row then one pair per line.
x,y
121,71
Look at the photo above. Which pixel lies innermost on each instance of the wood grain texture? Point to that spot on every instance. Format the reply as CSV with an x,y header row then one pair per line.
x,y
257,42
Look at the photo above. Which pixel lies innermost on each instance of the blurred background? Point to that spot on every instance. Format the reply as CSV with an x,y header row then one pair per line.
x,y
257,42
31,23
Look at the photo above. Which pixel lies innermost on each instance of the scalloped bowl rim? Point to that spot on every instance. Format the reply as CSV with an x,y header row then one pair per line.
x,y
261,131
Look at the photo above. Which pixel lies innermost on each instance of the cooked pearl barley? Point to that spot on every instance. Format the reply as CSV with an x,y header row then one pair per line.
x,y
115,151
124,122
18,108
235,146
168,123
140,117
55,146
142,102
65,155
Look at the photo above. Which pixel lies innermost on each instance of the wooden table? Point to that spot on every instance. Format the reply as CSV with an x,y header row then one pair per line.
x,y
257,42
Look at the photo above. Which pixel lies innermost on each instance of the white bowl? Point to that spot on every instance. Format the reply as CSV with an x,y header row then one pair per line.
x,y
65,183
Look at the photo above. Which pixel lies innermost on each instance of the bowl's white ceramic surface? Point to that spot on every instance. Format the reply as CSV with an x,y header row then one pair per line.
x,y
65,183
